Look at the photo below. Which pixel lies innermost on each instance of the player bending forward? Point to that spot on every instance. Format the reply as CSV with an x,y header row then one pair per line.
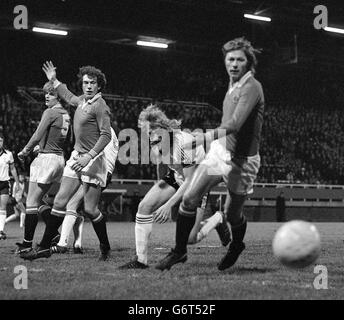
x,y
87,164
72,219
157,204
233,156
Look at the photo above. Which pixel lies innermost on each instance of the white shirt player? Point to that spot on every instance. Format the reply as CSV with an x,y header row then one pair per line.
x,y
182,157
6,158
111,151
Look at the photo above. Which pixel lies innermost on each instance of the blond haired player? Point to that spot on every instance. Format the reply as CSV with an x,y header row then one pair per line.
x,y
156,206
47,167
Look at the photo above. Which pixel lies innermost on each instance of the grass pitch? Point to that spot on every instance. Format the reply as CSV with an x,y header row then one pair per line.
x,y
256,275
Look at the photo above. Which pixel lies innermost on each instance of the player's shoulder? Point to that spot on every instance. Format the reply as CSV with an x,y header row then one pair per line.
x,y
57,112
8,153
101,103
253,83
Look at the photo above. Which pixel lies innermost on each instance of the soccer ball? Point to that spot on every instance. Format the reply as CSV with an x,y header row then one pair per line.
x,y
296,244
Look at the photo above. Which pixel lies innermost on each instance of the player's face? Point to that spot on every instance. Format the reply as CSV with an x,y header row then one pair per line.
x,y
50,99
89,86
236,64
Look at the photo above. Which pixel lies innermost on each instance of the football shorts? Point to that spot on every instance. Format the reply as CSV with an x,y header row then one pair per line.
x,y
4,187
47,168
238,173
94,173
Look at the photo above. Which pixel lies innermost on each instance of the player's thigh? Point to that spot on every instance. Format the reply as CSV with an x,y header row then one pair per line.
x,y
3,201
201,183
36,192
76,199
159,194
67,189
91,198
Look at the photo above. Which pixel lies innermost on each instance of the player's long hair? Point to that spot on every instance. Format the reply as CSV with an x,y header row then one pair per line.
x,y
94,73
49,88
156,118
246,46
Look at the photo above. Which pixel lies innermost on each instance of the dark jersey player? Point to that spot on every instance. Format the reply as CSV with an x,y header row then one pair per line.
x,y
87,164
47,167
233,156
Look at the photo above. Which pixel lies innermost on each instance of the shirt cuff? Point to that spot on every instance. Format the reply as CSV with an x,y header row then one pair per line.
x,y
92,153
56,83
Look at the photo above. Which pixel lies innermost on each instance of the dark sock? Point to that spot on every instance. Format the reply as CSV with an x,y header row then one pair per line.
x,y
31,221
45,213
100,229
183,229
51,229
238,231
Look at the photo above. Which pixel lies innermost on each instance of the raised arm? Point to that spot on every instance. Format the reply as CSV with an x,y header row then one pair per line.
x,y
62,91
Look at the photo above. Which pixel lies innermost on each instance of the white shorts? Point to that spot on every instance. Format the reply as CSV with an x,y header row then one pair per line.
x,y
47,168
239,174
95,172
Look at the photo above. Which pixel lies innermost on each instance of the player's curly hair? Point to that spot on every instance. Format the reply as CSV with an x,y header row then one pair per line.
x,y
156,118
92,72
244,45
49,88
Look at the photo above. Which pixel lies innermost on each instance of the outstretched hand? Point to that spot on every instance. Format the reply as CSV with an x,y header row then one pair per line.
x,y
49,70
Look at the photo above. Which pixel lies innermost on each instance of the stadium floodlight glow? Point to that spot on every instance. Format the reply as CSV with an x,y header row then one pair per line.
x,y
335,30
50,31
152,44
256,17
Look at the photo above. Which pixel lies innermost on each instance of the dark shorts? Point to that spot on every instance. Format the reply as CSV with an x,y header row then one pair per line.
x,y
4,187
171,180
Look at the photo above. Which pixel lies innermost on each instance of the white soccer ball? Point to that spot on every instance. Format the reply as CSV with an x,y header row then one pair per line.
x,y
296,244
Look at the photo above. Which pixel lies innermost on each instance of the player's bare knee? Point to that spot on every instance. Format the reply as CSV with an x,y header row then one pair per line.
x,y
144,208
60,202
190,201
91,210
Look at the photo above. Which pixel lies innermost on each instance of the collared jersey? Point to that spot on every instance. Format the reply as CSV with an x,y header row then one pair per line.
x,y
6,158
91,121
52,131
243,109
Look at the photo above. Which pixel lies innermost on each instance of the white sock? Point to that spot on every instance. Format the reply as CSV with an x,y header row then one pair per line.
x,y
210,224
143,230
78,228
2,219
22,219
67,225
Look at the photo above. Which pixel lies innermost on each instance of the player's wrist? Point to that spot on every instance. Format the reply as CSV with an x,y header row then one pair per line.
x,y
92,154
55,82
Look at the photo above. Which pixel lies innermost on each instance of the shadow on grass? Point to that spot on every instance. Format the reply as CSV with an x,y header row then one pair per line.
x,y
245,270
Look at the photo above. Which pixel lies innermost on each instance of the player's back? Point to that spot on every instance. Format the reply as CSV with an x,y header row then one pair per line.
x,y
54,139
